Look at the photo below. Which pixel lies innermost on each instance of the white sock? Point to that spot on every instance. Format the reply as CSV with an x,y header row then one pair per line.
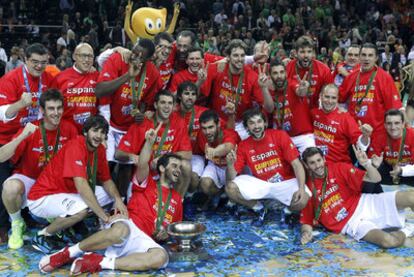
x,y
108,263
258,206
75,251
43,232
16,216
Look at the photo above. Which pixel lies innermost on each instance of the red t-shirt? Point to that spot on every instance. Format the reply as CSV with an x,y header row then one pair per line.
x,y
79,95
228,136
334,133
176,140
184,75
29,157
70,162
381,97
121,99
382,142
219,87
166,71
295,111
343,191
198,110
143,205
321,76
12,86
270,158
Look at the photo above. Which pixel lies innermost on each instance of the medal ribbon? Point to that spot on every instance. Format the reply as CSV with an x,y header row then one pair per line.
x,y
163,138
26,83
191,127
239,86
280,112
161,212
92,172
317,209
359,100
46,145
136,94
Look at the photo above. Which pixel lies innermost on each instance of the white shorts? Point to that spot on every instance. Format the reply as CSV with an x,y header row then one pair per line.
x,y
252,188
65,204
304,141
114,138
197,164
137,242
27,182
243,133
215,173
374,211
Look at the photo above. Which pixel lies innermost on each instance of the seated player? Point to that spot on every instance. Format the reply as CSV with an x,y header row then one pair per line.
x,y
339,205
128,242
274,162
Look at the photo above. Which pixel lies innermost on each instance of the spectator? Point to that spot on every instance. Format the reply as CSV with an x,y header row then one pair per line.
x,y
14,59
3,55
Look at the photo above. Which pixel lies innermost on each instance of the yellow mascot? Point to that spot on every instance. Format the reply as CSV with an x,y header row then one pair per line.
x,y
147,22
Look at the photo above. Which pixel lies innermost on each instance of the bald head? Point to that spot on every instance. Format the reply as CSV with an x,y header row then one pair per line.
x,y
83,57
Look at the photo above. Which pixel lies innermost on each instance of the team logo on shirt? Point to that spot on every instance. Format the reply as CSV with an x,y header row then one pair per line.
x,y
79,162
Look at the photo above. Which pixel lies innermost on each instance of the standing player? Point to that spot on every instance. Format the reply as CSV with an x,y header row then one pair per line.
x,y
290,112
370,91
20,90
236,85
70,184
196,71
77,85
129,88
30,150
310,73
274,162
351,63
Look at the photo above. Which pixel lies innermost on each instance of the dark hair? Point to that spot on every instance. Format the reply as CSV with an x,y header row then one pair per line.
x,y
35,48
393,112
209,115
309,152
148,45
235,43
187,33
96,121
370,46
50,94
304,41
194,49
165,93
163,35
250,113
186,85
165,159
276,62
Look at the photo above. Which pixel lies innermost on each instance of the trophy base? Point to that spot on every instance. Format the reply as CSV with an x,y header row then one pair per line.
x,y
195,253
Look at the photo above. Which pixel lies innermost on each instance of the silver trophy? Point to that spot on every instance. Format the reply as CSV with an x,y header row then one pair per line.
x,y
185,244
